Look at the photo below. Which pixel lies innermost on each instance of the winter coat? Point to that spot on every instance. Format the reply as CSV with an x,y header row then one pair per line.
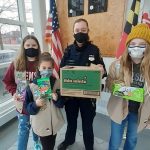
x,y
118,108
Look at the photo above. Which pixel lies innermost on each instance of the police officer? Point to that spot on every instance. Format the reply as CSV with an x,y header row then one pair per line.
x,y
81,53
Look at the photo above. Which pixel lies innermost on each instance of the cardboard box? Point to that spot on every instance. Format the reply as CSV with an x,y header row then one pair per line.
x,y
79,81
129,93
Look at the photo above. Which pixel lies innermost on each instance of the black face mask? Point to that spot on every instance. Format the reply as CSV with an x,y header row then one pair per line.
x,y
81,37
31,52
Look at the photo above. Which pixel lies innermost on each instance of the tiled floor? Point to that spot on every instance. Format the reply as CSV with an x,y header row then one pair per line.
x,y
99,143
101,126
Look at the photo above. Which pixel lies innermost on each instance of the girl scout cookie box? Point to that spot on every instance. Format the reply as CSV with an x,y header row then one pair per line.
x,y
79,81
129,93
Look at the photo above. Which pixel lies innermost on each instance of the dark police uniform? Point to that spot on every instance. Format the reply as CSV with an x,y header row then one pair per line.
x,y
81,56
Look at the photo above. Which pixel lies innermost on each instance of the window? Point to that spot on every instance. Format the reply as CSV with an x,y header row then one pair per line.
x,y
10,37
9,9
28,10
16,21
4,95
75,8
97,6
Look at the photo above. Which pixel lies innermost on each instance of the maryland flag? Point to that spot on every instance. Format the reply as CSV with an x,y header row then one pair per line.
x,y
145,11
132,20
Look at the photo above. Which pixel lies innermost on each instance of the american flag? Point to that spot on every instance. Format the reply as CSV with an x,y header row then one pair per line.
x,y
132,20
52,36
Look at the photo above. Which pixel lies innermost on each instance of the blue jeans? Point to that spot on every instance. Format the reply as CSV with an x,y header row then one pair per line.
x,y
23,131
117,131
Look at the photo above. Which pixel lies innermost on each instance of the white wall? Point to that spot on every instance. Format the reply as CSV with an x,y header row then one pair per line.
x,y
102,102
108,61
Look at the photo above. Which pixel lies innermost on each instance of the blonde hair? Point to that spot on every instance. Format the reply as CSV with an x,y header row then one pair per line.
x,y
145,65
21,59
126,65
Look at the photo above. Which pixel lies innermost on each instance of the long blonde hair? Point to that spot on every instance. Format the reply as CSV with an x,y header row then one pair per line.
x,y
126,66
21,59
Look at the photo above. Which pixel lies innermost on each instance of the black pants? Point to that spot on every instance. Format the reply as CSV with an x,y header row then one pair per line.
x,y
48,142
87,110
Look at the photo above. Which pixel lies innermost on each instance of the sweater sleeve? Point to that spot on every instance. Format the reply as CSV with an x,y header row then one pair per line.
x,y
30,104
9,80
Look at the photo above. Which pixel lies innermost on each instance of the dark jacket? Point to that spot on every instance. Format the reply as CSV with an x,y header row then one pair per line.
x,y
84,56
46,120
30,104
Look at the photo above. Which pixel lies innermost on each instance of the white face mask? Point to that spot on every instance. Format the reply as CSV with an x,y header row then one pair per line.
x,y
136,52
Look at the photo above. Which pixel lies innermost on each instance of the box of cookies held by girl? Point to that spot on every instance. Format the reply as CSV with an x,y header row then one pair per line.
x,y
129,93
